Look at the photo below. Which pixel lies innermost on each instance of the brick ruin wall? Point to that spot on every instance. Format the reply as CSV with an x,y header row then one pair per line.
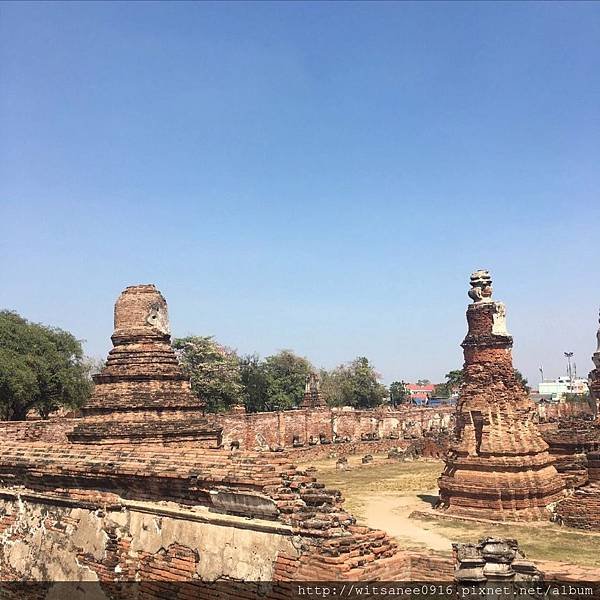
x,y
575,446
557,411
326,430
120,513
128,543
116,514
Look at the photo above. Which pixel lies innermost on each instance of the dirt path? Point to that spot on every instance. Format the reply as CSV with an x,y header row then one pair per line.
x,y
390,513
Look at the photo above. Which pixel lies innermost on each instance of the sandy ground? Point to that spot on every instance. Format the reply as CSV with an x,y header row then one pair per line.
x,y
390,513
384,493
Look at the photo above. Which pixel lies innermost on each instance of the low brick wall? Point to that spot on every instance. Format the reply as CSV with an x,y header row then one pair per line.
x,y
296,428
582,509
51,430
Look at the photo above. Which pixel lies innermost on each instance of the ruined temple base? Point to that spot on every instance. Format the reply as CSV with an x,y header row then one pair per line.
x,y
501,488
444,515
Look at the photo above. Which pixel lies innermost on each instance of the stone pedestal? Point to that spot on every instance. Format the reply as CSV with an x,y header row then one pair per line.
x,y
498,466
496,565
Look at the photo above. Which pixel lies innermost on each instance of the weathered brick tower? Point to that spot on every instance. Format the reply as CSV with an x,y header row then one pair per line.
x,y
141,372
312,393
142,396
498,466
594,376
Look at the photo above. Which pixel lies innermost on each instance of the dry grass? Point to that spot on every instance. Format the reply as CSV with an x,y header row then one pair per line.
x,y
382,477
538,542
379,477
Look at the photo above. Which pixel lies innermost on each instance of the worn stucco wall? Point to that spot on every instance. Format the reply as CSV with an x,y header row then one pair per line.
x,y
149,542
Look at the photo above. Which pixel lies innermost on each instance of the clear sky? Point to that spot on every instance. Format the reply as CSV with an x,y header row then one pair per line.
x,y
316,176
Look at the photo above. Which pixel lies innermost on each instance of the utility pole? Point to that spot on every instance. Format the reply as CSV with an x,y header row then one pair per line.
x,y
570,370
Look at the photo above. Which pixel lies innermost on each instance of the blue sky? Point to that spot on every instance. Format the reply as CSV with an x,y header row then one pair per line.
x,y
315,176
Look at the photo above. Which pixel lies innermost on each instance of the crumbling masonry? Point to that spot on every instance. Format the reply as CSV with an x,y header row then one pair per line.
x,y
498,466
582,509
145,487
141,488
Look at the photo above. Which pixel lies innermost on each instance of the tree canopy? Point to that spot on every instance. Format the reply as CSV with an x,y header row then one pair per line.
x,y
41,368
222,378
399,393
353,384
275,383
213,369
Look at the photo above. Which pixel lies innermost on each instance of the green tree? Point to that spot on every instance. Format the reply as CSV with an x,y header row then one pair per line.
x,y
41,368
399,393
423,382
453,381
522,380
442,390
213,369
336,385
255,384
354,384
454,378
286,375
275,383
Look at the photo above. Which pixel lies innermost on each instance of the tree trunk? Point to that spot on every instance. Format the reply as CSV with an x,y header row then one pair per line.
x,y
19,413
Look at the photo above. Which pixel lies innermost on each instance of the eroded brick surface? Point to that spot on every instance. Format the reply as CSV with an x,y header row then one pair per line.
x,y
498,466
131,491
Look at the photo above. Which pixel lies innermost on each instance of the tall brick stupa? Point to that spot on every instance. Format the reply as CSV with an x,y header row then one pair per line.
x,y
142,395
141,372
498,466
594,376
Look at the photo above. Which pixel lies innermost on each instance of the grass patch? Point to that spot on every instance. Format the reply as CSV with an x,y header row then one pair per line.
x,y
382,477
539,542
379,477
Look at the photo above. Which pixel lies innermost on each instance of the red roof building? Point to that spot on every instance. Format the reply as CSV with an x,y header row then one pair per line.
x,y
420,392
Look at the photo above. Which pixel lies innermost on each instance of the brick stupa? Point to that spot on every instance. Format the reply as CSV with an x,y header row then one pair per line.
x,y
498,466
312,394
142,395
594,376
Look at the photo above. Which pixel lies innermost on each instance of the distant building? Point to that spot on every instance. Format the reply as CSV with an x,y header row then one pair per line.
x,y
420,394
557,388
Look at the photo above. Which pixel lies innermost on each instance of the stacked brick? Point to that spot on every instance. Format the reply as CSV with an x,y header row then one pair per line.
x,y
108,470
575,444
320,431
582,509
498,466
141,372
267,487
594,376
141,396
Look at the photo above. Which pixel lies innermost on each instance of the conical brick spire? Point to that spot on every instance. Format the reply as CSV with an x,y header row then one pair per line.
x,y
141,372
498,466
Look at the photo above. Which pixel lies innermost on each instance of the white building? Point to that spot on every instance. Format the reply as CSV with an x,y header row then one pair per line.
x,y
560,386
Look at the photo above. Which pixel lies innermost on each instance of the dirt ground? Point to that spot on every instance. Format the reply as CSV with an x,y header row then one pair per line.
x,y
384,493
